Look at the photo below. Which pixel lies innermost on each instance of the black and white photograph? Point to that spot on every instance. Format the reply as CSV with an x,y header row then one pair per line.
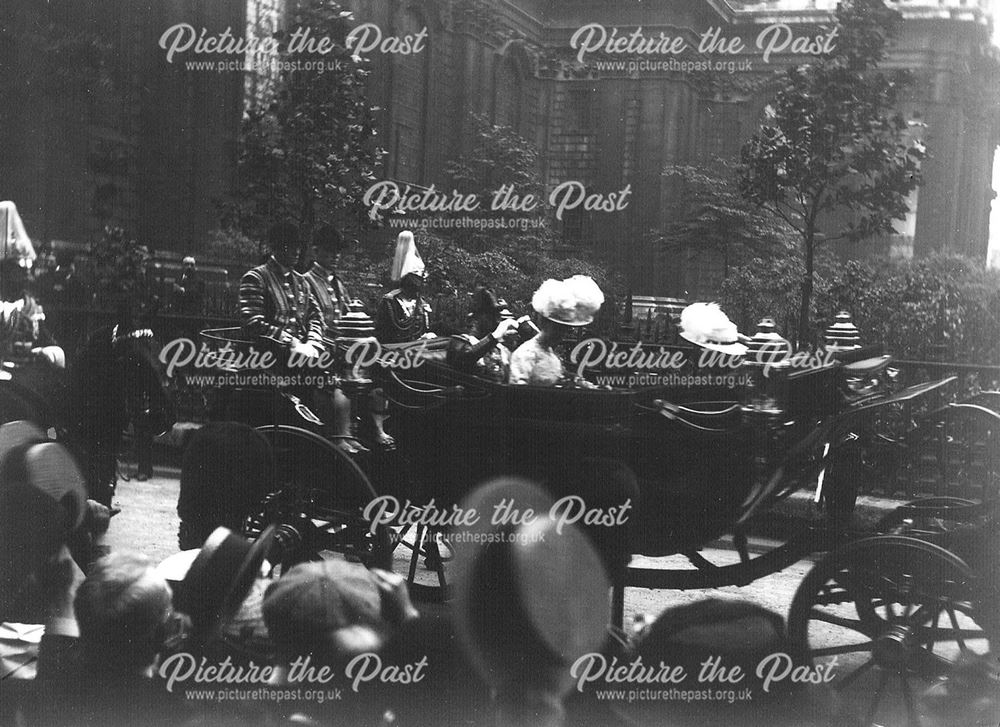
x,y
475,363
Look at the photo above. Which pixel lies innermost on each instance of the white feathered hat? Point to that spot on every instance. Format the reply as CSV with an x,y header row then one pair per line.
x,y
706,325
407,259
14,240
571,302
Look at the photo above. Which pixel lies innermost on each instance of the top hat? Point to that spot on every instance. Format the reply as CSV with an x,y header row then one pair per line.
x,y
219,579
485,302
512,614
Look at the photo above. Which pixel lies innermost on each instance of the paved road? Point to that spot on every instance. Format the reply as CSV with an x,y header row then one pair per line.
x,y
148,523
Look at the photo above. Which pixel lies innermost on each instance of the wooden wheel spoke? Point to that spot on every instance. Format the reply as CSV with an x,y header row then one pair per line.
x,y
832,597
844,649
850,678
956,630
836,620
942,635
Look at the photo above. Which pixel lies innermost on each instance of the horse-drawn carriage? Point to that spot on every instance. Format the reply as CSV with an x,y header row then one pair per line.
x,y
709,462
705,462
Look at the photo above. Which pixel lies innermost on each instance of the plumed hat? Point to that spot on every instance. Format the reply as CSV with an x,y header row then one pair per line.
x,y
707,326
407,259
571,302
14,240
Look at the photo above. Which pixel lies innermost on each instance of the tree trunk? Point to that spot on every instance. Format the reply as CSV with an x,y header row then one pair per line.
x,y
805,323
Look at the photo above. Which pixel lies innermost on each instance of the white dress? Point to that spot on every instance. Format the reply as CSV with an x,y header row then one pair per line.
x,y
535,365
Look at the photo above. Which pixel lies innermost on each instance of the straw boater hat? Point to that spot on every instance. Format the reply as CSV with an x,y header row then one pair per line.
x,y
571,302
528,601
407,260
706,325
213,582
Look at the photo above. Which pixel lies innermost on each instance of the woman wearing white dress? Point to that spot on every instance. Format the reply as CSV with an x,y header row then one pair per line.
x,y
561,305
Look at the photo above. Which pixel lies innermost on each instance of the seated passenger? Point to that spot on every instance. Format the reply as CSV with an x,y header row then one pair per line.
x,y
403,315
561,305
706,326
482,351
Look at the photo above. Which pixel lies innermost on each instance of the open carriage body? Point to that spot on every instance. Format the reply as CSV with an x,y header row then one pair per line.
x,y
707,457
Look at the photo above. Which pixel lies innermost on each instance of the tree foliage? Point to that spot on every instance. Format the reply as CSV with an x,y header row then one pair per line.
x,y
311,152
834,144
716,216
515,261
121,271
941,305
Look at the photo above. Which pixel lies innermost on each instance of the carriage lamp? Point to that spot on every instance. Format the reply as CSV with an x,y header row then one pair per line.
x,y
842,335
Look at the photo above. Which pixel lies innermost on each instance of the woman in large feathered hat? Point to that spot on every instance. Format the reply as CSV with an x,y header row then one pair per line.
x,y
560,305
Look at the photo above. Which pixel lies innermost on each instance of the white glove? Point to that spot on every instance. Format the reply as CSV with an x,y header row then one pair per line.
x,y
305,350
503,328
53,354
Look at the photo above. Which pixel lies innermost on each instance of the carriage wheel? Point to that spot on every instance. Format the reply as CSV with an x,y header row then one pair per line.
x,y
897,614
319,503
929,516
956,452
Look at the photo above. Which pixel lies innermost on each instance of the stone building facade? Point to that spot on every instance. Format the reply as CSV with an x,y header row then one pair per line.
x,y
154,145
607,125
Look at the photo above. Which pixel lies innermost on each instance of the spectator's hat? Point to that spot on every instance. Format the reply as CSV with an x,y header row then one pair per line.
x,y
330,608
707,326
28,458
570,302
218,579
734,633
407,260
530,598
42,499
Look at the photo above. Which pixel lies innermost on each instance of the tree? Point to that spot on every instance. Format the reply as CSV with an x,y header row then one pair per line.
x,y
311,151
496,157
516,256
834,142
717,217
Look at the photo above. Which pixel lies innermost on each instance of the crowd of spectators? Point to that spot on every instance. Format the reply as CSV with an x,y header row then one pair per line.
x,y
120,640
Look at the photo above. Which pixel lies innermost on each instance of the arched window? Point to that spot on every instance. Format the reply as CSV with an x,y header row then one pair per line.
x,y
507,94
